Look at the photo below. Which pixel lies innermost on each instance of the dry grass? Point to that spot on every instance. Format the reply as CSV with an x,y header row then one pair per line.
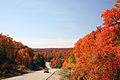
x,y
66,74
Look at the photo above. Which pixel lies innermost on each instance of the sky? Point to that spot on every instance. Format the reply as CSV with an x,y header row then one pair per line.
x,y
51,23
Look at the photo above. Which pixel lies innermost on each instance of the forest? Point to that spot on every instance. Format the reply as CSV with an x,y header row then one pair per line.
x,y
17,58
97,55
53,55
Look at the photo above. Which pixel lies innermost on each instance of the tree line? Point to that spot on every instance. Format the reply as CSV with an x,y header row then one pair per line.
x,y
16,57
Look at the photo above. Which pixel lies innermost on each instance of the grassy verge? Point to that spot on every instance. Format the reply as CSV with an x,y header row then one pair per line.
x,y
66,74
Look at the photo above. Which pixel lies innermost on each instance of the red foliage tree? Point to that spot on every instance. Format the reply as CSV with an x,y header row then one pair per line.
x,y
23,57
98,53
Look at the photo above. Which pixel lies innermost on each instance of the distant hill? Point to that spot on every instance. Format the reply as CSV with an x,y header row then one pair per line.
x,y
54,55
49,49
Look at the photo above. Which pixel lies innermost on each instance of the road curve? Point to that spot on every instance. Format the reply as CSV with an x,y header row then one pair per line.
x,y
37,75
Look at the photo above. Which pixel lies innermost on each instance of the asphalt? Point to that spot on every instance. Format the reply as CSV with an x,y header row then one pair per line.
x,y
37,75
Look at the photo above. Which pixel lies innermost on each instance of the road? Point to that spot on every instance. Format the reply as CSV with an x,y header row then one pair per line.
x,y
37,75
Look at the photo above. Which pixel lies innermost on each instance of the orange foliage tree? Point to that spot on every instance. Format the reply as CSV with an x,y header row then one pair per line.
x,y
23,57
97,54
8,50
15,56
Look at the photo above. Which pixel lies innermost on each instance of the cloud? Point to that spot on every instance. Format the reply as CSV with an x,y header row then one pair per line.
x,y
49,43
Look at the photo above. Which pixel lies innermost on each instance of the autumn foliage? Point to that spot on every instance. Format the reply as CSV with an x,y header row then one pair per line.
x,y
24,57
97,55
15,57
53,55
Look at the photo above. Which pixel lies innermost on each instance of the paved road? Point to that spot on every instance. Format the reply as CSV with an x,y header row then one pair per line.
x,y
37,75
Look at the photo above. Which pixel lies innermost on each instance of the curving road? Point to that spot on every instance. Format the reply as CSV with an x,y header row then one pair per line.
x,y
37,75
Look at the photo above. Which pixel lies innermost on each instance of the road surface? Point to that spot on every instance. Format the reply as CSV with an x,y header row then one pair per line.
x,y
37,75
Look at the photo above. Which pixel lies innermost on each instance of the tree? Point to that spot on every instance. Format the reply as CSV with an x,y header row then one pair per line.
x,y
112,16
97,55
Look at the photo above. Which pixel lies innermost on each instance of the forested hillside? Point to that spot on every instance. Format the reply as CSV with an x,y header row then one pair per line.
x,y
17,58
97,55
54,55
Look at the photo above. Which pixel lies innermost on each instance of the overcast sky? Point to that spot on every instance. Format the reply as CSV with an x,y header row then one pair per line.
x,y
51,23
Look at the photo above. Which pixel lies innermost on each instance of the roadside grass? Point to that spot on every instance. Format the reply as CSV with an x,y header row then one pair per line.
x,y
66,74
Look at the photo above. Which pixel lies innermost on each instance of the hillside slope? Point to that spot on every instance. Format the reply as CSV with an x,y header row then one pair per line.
x,y
97,55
